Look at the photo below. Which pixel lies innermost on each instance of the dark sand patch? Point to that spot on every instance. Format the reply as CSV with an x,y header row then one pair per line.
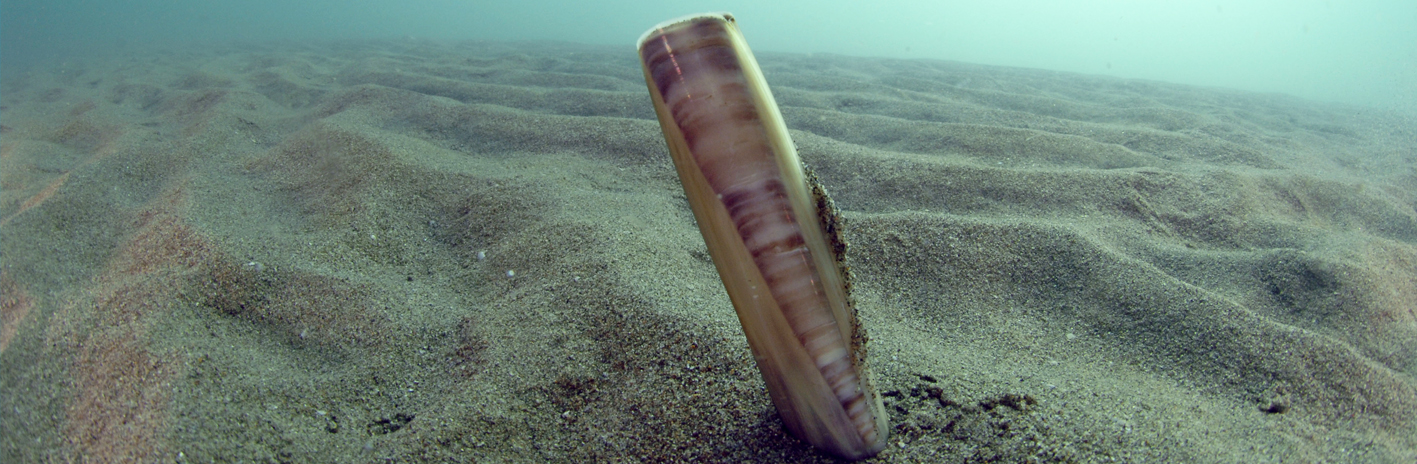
x,y
432,252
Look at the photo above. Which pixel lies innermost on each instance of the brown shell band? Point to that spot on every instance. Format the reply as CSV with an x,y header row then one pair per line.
x,y
758,216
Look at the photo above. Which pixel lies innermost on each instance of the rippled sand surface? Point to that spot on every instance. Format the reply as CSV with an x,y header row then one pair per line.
x,y
458,252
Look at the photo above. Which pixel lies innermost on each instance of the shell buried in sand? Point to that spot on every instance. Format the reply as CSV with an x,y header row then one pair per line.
x,y
769,229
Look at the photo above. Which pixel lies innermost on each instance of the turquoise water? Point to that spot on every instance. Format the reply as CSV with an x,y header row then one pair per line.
x,y
1361,52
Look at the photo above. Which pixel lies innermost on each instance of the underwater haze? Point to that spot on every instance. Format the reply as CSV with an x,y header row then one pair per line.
x,y
436,231
1362,52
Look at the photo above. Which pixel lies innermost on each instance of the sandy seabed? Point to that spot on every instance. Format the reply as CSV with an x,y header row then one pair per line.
x,y
479,252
